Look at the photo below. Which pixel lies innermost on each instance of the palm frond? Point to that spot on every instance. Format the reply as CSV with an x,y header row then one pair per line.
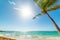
x,y
35,0
38,2
41,3
45,3
54,8
50,3
36,16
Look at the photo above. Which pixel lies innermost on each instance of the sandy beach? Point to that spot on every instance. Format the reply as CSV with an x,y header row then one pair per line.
x,y
30,37
6,38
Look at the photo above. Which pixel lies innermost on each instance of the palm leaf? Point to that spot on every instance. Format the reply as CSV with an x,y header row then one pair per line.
x,y
35,0
36,16
50,3
54,8
45,3
41,3
38,2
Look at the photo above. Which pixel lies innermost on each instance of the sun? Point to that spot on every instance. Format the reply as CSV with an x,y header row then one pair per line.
x,y
25,12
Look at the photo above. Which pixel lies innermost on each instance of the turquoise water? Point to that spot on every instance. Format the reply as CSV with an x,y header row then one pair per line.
x,y
41,33
44,33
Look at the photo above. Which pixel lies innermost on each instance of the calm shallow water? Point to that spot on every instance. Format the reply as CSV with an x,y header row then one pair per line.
x,y
41,33
31,35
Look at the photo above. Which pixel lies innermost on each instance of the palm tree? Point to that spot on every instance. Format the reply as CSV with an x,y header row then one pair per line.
x,y
45,6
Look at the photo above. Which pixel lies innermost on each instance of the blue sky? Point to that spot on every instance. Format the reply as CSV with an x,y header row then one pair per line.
x,y
11,19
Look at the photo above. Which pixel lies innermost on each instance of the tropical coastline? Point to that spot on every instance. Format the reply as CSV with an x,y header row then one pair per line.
x,y
29,37
33,35
29,19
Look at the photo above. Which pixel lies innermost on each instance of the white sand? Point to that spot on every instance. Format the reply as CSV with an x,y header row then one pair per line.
x,y
30,37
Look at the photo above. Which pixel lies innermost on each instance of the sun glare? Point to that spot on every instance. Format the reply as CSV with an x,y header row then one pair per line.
x,y
26,12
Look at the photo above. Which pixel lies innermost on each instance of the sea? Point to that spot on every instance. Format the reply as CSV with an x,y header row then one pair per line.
x,y
38,33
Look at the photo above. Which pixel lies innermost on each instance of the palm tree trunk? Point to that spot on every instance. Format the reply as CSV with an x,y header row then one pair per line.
x,y
56,26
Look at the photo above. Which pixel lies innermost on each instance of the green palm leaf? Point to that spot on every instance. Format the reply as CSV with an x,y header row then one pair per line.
x,y
45,3
50,3
35,0
54,8
36,16
41,3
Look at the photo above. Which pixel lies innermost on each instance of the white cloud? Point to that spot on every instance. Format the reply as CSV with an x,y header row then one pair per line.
x,y
12,3
17,9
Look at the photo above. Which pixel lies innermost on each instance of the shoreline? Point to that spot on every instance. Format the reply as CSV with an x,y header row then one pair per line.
x,y
30,37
